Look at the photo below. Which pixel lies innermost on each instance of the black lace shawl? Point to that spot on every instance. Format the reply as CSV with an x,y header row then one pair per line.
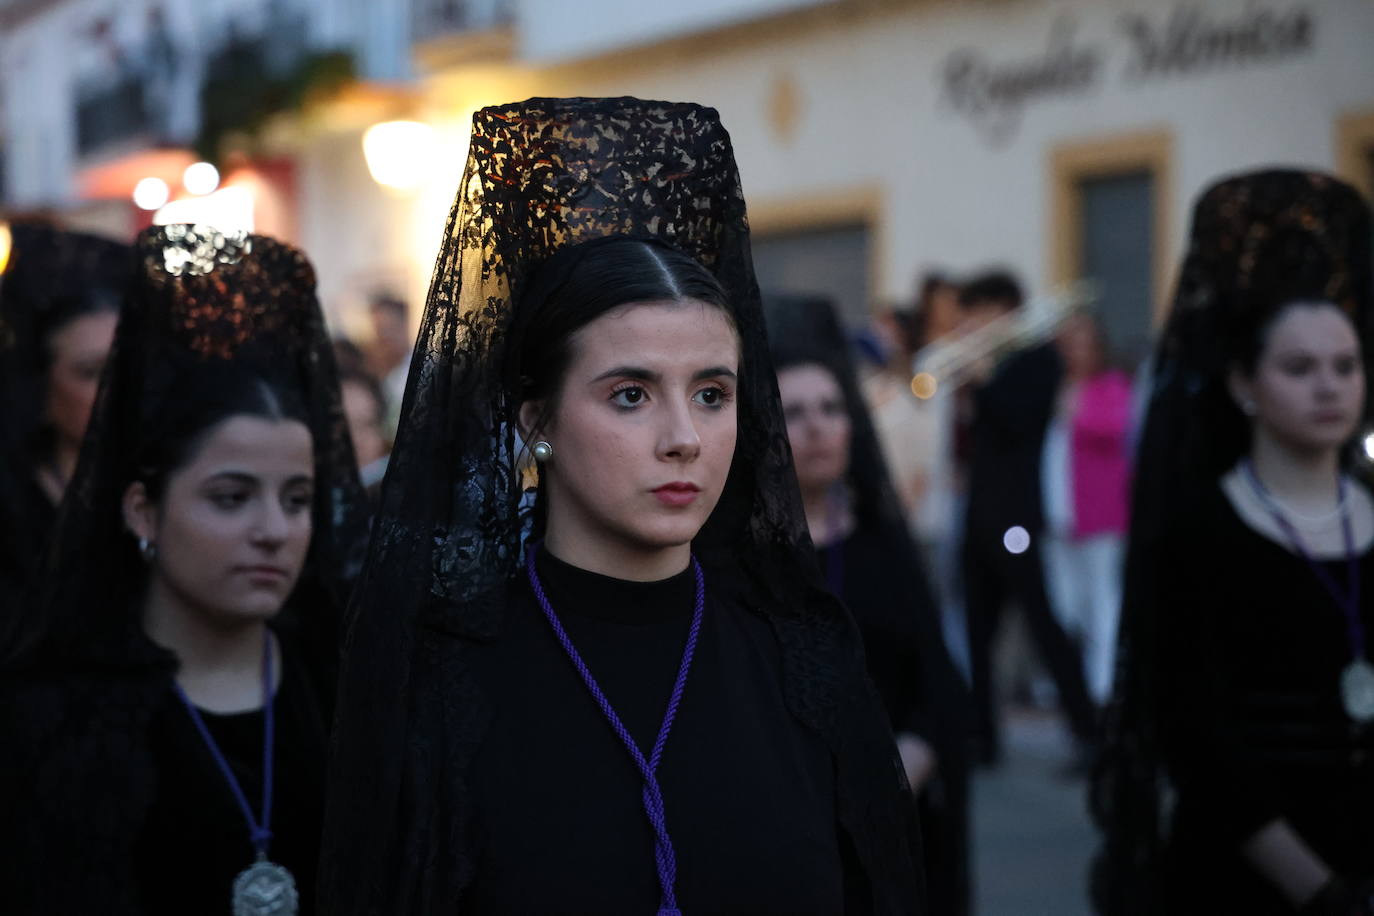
x,y
542,175
51,277
1258,241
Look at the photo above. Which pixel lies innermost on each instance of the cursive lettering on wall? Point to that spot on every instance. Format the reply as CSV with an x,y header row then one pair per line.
x,y
1187,40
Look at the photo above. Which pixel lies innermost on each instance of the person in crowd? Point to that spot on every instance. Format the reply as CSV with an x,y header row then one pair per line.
x,y
1086,478
636,696
1011,404
1237,776
365,409
872,564
166,731
59,301
389,356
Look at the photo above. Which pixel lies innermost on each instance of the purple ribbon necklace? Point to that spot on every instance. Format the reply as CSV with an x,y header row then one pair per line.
x,y
263,888
1357,678
665,857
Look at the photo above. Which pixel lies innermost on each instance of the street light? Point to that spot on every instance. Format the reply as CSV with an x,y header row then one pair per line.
x,y
399,154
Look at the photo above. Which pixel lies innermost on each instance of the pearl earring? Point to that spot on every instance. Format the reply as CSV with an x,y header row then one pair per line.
x,y
542,451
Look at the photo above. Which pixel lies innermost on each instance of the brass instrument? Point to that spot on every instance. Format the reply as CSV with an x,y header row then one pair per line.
x,y
946,360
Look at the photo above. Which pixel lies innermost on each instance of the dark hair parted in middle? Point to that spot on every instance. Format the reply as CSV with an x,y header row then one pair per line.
x,y
579,284
197,400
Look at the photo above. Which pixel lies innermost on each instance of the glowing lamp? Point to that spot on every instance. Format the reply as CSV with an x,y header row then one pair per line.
x,y
400,154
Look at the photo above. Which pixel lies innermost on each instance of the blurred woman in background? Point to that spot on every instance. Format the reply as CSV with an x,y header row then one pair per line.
x,y
1246,687
59,301
872,564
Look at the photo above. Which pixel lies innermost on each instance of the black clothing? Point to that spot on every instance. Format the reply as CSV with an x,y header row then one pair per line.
x,y
195,839
1250,654
748,791
1258,241
886,591
1012,411
124,809
547,182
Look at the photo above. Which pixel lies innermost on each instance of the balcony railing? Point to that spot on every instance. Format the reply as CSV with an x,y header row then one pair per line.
x,y
109,113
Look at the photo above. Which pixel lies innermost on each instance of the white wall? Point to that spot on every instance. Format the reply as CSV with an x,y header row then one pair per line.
x,y
562,29
873,112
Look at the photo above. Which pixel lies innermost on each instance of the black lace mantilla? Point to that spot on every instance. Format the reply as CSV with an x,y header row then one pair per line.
x,y
542,175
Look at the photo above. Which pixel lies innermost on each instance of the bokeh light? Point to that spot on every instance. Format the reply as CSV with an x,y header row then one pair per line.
x,y
200,178
151,193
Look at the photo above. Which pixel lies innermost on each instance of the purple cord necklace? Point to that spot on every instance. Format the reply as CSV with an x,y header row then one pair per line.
x,y
264,887
1357,678
664,856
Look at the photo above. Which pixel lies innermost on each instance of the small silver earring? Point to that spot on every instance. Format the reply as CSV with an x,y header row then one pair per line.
x,y
147,549
542,451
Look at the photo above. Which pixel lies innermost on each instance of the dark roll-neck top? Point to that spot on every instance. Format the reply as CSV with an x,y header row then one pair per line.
x,y
195,840
1249,660
748,792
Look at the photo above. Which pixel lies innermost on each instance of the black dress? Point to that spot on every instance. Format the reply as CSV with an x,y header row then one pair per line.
x,y
124,809
749,793
884,587
1250,652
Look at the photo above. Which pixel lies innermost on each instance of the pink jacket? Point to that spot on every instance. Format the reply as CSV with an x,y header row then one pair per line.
x,y
1100,460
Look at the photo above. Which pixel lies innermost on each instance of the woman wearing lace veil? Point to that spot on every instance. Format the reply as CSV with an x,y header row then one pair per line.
x,y
1236,777
872,564
59,299
630,693
165,724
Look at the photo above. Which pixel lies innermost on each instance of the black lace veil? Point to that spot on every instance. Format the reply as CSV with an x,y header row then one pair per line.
x,y
1258,241
199,302
541,176
51,277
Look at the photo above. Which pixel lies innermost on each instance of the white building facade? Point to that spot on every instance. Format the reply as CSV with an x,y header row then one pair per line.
x,y
877,138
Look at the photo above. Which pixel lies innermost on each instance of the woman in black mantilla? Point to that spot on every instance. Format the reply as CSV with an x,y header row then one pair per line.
x,y
59,300
1245,686
594,305
201,562
871,562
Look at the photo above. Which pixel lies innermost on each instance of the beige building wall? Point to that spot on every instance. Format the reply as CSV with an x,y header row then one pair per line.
x,y
842,113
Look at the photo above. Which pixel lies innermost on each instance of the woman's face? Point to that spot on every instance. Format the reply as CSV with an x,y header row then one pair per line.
x,y
817,425
364,417
233,526
1080,345
78,350
1308,387
643,427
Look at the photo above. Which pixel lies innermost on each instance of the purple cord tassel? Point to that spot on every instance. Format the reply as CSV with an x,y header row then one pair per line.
x,y
665,858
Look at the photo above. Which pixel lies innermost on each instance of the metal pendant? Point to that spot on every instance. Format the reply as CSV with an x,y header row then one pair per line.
x,y
265,889
1357,690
